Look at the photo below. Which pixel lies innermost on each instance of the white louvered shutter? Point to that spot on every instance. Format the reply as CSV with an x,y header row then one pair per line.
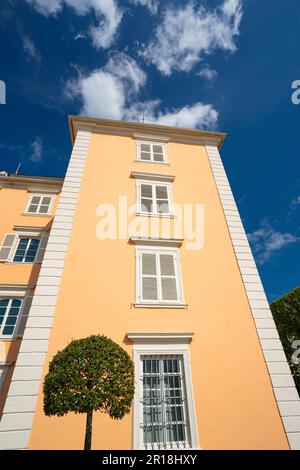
x,y
26,304
7,245
168,277
149,277
41,249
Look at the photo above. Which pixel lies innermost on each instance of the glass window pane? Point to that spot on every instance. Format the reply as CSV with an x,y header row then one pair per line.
x,y
35,200
146,190
13,311
158,157
162,207
32,208
4,302
11,320
145,147
44,209
145,156
46,200
161,192
157,148
34,242
146,205
16,303
8,330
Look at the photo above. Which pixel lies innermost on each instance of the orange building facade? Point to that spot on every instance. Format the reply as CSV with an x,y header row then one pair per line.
x,y
141,242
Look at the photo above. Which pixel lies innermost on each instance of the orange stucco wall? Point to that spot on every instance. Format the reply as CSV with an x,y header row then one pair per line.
x,y
234,400
13,202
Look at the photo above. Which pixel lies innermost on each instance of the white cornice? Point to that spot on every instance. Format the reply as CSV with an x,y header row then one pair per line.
x,y
154,138
32,183
152,176
129,129
157,338
30,230
18,290
156,241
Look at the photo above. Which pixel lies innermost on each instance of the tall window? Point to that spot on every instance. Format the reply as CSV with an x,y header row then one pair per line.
x,y
26,250
164,416
39,204
158,277
9,313
151,152
154,198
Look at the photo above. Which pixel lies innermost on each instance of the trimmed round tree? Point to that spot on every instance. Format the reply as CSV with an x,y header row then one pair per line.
x,y
90,374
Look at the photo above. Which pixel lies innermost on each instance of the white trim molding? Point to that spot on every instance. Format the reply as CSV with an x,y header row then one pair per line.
x,y
154,338
17,290
152,176
30,230
163,344
152,138
282,381
172,242
16,422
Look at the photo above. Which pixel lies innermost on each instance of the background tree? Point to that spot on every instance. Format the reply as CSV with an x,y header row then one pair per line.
x,y
90,374
286,312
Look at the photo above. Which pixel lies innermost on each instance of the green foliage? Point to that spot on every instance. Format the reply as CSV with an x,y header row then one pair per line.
x,y
93,373
286,312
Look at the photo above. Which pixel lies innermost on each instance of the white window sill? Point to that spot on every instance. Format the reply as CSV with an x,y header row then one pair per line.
x,y
20,262
9,338
36,215
167,447
147,305
150,214
151,161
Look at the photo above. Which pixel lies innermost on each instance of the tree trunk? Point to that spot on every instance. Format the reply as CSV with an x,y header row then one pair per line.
x,y
88,431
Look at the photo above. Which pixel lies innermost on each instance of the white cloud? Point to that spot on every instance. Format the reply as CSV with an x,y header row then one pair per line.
x,y
195,116
113,92
152,5
187,34
208,73
107,13
36,150
30,49
266,241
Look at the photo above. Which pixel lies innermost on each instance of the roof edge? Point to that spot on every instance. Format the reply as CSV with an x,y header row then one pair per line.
x,y
130,127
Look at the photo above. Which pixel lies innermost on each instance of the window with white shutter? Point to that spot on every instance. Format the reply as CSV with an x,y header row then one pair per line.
x,y
154,198
158,277
39,204
7,246
152,152
17,248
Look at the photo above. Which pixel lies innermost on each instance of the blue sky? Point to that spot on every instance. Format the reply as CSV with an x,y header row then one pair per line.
x,y
218,64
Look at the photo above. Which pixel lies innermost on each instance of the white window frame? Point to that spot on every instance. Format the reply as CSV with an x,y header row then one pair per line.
x,y
151,143
11,298
179,285
41,195
16,244
153,184
162,344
